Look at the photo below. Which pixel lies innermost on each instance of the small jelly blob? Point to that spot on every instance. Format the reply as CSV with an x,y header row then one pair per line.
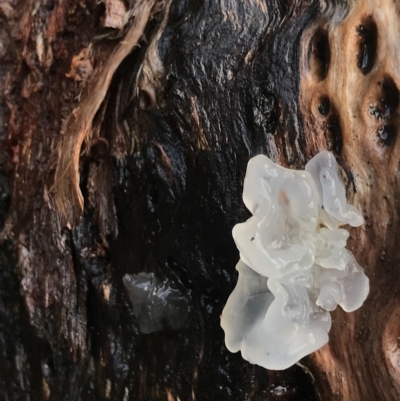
x,y
156,303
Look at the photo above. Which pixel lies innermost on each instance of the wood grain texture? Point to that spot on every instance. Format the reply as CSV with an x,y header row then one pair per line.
x,y
361,89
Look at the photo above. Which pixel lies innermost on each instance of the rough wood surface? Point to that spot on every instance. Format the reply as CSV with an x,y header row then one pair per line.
x,y
353,109
125,131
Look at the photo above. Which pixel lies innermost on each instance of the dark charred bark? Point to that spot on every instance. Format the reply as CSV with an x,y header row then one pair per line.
x,y
125,131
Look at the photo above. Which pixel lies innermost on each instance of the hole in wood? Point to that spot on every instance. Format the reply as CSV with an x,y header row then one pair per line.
x,y
334,132
320,54
390,95
387,99
367,44
386,135
324,106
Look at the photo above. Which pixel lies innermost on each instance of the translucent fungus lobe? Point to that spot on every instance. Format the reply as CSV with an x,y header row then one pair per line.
x,y
294,268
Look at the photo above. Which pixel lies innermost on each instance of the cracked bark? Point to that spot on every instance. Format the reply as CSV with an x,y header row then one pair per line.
x,y
125,130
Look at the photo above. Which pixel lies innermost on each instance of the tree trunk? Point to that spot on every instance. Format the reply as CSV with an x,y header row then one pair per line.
x,y
125,131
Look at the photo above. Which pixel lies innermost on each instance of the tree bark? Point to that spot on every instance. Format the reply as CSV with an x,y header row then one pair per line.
x,y
125,130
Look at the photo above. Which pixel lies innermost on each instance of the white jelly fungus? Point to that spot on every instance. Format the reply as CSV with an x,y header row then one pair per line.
x,y
156,303
294,268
